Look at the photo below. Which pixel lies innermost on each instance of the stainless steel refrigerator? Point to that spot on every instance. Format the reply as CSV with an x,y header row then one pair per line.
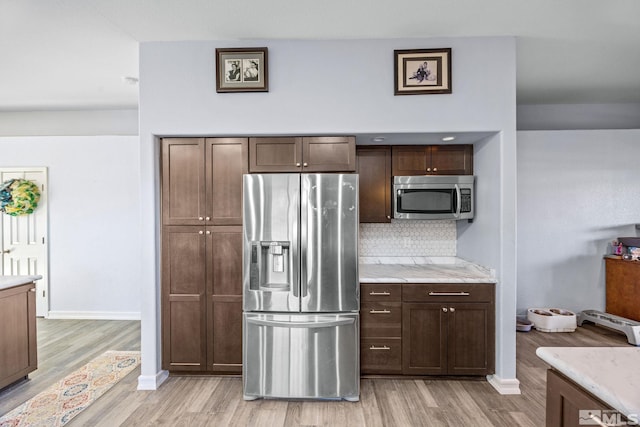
x,y
301,292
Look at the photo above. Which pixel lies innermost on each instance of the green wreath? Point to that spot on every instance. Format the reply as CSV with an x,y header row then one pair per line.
x,y
19,197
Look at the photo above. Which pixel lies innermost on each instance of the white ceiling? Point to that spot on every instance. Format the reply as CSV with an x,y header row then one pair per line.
x,y
72,54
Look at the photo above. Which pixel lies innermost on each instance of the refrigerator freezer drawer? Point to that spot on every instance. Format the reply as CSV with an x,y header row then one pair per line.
x,y
301,356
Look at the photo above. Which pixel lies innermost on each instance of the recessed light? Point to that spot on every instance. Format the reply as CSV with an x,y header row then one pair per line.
x,y
448,138
378,139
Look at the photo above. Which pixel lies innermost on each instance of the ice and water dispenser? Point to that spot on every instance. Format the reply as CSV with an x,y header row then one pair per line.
x,y
270,266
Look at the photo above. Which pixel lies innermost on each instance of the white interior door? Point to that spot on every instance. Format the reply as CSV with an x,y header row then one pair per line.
x,y
25,239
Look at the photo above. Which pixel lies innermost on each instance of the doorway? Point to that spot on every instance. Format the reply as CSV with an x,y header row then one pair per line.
x,y
25,240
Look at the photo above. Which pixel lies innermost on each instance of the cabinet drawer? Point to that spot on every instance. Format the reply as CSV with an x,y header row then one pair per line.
x,y
380,292
381,355
381,319
445,292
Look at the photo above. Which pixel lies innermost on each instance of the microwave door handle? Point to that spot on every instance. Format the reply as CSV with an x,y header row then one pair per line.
x,y
458,201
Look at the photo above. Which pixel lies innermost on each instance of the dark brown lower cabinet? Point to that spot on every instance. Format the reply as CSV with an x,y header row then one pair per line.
x,y
569,405
202,299
427,329
18,339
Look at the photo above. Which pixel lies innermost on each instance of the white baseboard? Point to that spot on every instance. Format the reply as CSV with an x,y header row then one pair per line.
x,y
504,385
95,315
152,382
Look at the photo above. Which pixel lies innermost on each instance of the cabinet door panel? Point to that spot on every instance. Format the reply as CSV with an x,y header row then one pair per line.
x,y
183,181
374,168
410,160
225,255
183,298
470,339
423,339
329,154
225,350
281,154
226,161
452,159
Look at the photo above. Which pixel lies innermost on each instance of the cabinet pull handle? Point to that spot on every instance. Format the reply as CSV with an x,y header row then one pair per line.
x,y
379,311
448,294
385,293
384,347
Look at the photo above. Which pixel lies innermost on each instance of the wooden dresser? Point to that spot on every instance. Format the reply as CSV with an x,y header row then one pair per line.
x,y
623,288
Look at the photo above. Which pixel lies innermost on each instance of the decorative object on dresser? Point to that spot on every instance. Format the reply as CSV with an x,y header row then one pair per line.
x,y
242,70
422,71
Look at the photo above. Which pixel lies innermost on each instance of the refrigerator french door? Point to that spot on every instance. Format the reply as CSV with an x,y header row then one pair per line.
x,y
301,289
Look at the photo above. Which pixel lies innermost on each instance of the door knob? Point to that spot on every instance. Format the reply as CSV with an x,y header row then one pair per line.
x,y
6,251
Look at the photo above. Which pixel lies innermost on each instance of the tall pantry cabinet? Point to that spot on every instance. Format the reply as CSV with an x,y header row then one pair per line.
x,y
202,253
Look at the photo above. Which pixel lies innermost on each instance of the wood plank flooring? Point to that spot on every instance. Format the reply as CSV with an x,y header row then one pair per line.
x,y
65,345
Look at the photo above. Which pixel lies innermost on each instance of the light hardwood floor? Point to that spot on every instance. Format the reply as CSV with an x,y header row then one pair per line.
x,y
65,345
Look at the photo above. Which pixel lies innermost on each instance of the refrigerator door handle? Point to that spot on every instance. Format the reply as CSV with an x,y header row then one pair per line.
x,y
308,325
304,237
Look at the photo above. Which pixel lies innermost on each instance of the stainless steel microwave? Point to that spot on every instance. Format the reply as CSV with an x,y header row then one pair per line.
x,y
433,197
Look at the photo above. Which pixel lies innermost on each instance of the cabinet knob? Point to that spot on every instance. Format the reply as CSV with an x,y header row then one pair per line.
x,y
444,309
435,169
388,216
428,169
305,164
208,218
200,232
452,309
208,232
298,164
32,290
200,218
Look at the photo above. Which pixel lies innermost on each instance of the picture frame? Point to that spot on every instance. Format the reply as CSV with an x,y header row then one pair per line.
x,y
422,71
243,69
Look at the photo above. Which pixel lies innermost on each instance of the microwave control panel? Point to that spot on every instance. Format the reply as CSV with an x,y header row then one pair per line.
x,y
465,200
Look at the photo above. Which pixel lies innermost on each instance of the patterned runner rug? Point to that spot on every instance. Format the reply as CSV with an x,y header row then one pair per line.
x,y
58,404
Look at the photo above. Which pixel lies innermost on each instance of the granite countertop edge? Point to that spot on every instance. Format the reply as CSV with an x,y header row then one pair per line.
x,y
423,270
7,282
602,371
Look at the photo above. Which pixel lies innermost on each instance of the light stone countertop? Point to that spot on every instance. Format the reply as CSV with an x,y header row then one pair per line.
x,y
610,373
11,281
422,270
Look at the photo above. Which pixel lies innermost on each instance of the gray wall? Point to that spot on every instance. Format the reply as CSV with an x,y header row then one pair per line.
x,y
339,86
578,116
577,190
67,123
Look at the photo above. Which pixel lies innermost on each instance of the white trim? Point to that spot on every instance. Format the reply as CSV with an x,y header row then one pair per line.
x,y
95,315
152,382
504,385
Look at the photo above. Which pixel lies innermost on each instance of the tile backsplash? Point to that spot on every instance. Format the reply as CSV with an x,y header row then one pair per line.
x,y
409,238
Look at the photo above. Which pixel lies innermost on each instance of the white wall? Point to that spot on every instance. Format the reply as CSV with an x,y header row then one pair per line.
x,y
324,87
577,190
94,227
72,122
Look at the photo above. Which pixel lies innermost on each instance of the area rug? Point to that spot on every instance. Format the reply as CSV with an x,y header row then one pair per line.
x,y
58,404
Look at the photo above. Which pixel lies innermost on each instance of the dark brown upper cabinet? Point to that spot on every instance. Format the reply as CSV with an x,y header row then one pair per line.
x,y
202,180
302,154
373,164
432,160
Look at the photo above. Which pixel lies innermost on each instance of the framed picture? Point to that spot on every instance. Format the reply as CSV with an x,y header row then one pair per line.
x,y
422,71
242,70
